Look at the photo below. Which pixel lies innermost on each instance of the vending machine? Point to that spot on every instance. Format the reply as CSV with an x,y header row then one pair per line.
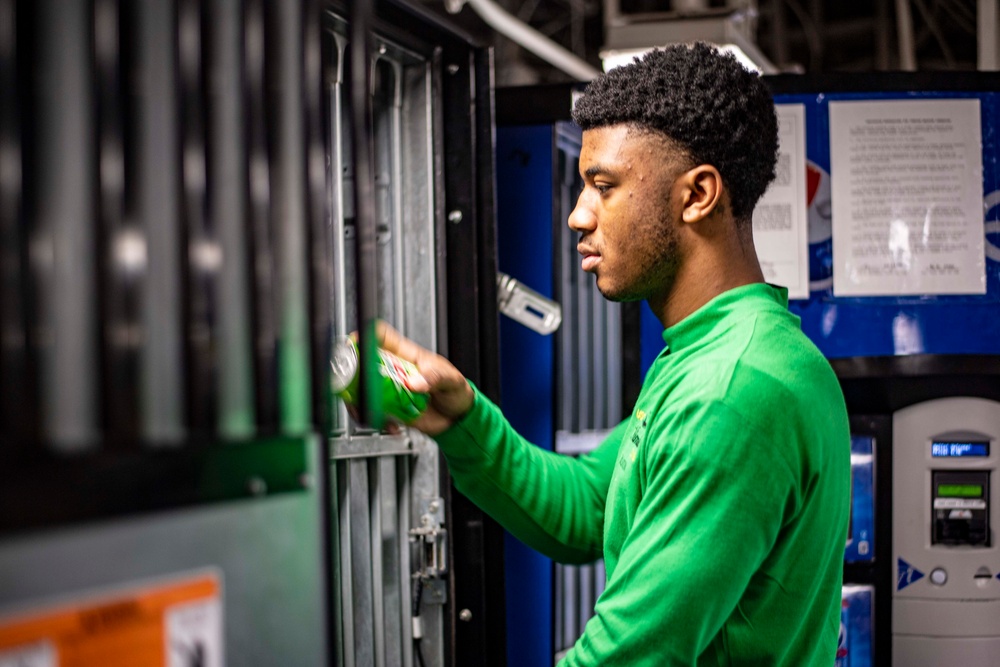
x,y
903,297
946,607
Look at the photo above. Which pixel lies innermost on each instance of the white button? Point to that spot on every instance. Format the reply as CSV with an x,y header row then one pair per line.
x,y
938,576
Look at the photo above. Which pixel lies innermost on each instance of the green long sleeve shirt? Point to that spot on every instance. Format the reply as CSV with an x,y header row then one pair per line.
x,y
720,507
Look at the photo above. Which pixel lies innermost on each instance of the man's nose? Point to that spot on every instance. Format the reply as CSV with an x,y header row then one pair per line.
x,y
582,219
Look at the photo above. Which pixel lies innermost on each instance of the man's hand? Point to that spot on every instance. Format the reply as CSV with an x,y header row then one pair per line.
x,y
451,395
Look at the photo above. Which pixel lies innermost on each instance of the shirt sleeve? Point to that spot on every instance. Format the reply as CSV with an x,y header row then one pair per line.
x,y
551,502
712,505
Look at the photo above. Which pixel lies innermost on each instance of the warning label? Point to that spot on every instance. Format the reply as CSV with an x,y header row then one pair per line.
x,y
172,624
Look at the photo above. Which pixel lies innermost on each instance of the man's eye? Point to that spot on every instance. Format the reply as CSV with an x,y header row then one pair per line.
x,y
602,188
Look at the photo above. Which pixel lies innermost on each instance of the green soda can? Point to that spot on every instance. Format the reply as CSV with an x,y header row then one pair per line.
x,y
398,399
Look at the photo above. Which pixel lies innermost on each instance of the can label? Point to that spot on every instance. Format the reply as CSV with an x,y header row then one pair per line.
x,y
394,374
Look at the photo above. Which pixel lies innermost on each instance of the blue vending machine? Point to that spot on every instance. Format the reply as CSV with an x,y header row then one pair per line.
x,y
903,255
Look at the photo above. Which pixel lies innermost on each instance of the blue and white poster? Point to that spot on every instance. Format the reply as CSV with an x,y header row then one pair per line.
x,y
935,320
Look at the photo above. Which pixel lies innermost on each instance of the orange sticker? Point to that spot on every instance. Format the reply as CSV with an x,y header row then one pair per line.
x,y
174,624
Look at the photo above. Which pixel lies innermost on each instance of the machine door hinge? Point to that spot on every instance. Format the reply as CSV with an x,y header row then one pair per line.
x,y
525,305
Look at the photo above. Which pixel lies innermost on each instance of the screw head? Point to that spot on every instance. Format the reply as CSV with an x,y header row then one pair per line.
x,y
465,615
256,486
455,216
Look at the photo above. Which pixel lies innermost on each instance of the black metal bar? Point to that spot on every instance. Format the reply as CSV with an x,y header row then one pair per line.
x,y
542,104
201,254
122,255
61,225
485,159
162,372
318,232
18,397
882,82
260,240
286,146
226,125
320,289
874,385
359,84
472,327
58,491
493,590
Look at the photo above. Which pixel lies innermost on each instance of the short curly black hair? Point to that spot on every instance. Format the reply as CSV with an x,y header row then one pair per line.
x,y
704,100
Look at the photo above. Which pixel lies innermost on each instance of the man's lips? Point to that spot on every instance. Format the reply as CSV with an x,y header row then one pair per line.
x,y
590,257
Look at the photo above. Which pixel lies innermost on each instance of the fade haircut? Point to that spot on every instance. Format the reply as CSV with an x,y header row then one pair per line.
x,y
706,102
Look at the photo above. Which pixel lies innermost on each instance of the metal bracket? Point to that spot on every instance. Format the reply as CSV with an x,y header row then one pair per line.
x,y
525,305
433,540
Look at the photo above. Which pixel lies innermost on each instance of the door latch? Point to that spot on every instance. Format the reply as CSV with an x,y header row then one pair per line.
x,y
432,537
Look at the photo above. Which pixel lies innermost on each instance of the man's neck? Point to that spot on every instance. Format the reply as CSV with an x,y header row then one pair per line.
x,y
704,276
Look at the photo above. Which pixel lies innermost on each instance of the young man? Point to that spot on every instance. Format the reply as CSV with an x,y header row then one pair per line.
x,y
721,506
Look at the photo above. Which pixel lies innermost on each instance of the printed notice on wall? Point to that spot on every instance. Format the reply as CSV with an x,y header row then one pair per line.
x,y
780,221
170,623
907,189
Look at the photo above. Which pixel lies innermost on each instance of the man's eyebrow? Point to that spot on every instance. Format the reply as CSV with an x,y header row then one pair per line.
x,y
597,169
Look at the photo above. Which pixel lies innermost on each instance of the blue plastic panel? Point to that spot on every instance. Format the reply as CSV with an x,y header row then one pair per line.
x,y
879,326
525,192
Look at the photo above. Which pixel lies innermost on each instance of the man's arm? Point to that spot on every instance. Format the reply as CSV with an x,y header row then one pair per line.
x,y
551,502
712,505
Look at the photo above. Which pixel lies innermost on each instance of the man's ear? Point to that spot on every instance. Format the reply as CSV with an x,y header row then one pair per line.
x,y
701,192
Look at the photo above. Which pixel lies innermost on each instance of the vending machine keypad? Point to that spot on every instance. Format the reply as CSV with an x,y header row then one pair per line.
x,y
961,507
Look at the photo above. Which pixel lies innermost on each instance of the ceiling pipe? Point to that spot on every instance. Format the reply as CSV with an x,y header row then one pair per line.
x,y
521,33
988,17
904,27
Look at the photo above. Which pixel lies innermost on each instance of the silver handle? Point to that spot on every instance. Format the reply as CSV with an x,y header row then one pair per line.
x,y
525,305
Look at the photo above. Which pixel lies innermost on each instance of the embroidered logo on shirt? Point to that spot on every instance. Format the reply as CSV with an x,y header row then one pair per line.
x,y
636,433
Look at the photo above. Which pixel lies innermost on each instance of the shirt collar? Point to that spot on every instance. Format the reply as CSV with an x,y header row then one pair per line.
x,y
714,315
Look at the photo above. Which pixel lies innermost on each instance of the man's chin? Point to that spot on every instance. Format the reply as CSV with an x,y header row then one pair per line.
x,y
618,295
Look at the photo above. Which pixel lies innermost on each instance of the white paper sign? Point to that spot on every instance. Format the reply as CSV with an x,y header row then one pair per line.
x,y
193,634
39,654
907,186
780,220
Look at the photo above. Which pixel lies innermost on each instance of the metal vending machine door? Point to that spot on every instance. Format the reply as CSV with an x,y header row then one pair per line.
x,y
411,231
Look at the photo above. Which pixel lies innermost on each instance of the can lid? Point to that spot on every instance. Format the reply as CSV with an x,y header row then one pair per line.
x,y
344,363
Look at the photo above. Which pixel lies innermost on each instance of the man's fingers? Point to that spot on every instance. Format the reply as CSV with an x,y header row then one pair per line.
x,y
386,335
418,383
395,342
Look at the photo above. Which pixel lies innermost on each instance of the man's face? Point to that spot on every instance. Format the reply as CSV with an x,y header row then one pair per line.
x,y
627,222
